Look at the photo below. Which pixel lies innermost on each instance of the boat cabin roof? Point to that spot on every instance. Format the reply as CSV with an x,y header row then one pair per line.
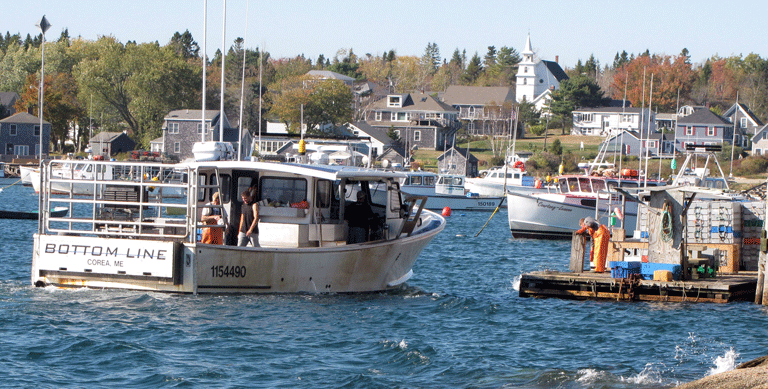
x,y
328,172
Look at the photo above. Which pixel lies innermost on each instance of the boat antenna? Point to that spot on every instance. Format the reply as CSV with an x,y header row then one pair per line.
x,y
223,81
623,113
642,125
242,89
205,65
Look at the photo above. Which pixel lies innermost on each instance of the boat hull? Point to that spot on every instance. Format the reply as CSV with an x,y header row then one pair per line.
x,y
202,268
541,218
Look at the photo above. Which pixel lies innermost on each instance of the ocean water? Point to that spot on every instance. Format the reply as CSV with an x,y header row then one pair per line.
x,y
458,323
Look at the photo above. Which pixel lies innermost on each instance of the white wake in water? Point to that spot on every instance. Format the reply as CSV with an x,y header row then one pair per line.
x,y
516,283
724,363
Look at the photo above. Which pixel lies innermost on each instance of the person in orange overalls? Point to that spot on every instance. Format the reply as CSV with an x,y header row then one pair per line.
x,y
600,239
216,217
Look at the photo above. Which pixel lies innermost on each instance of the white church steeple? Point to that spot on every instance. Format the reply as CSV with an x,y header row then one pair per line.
x,y
526,74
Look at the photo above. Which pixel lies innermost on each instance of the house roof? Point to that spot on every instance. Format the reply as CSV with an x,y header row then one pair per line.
x,y
23,118
611,110
330,74
556,70
759,133
378,133
157,140
191,114
745,111
478,95
462,152
415,102
703,116
634,134
7,98
105,136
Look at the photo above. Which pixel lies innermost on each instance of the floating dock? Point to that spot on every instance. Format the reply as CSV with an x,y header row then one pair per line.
x,y
600,286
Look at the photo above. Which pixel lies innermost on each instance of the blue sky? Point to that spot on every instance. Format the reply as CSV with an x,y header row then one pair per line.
x,y
571,30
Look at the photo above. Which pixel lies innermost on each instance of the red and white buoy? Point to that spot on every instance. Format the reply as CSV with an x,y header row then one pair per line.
x,y
447,211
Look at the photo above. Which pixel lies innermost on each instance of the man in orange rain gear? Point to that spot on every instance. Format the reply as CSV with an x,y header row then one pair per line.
x,y
600,239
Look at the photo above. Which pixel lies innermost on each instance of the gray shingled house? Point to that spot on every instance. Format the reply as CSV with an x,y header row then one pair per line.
x,y
479,107
109,144
457,161
20,136
182,128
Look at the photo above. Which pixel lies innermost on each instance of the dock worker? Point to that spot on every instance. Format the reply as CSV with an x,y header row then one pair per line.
x,y
600,239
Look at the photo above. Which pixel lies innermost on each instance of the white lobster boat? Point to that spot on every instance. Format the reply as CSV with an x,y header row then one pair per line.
x,y
556,214
120,237
446,190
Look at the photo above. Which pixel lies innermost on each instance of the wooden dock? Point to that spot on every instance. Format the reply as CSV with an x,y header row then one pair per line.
x,y
600,286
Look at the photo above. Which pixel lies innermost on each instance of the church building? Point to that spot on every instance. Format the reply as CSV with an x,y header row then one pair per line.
x,y
537,78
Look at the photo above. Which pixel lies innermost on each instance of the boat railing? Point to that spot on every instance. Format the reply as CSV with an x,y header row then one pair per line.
x,y
114,203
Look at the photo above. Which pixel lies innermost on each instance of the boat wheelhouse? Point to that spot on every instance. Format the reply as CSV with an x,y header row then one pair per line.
x,y
446,190
121,237
556,214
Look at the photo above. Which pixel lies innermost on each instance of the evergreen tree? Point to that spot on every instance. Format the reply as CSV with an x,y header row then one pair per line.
x,y
473,70
457,60
490,57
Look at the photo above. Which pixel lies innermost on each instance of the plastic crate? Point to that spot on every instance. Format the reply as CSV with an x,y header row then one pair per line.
x,y
647,269
623,269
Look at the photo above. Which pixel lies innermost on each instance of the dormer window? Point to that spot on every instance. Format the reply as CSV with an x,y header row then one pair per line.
x,y
394,101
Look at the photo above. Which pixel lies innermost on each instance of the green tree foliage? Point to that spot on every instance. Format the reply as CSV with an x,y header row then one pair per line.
x,y
473,70
346,63
576,92
184,45
325,102
142,83
556,147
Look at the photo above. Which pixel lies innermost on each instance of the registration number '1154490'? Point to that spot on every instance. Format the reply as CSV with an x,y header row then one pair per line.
x,y
228,271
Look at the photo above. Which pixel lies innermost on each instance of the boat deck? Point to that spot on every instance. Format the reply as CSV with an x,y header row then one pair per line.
x,y
600,286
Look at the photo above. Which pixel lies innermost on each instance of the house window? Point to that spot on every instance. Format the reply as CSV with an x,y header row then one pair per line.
x,y
689,130
394,101
417,136
37,130
177,147
757,151
743,123
13,130
586,117
402,116
199,128
711,131
173,128
21,150
626,118
378,116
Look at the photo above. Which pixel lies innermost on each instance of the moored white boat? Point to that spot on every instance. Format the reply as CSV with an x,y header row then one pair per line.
x,y
127,243
25,173
515,179
446,190
556,215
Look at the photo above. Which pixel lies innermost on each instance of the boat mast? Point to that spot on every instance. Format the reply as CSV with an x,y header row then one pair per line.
x,y
242,90
261,61
648,133
733,142
223,56
205,65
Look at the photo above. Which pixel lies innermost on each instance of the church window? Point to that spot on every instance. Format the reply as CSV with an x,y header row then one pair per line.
x,y
525,81
525,69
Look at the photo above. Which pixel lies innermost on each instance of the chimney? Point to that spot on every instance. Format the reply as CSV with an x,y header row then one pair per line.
x,y
557,59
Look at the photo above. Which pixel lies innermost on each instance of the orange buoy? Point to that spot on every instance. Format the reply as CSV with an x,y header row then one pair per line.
x,y
447,211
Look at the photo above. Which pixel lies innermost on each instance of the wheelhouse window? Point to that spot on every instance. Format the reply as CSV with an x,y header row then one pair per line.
x,y
324,192
286,190
584,184
429,180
